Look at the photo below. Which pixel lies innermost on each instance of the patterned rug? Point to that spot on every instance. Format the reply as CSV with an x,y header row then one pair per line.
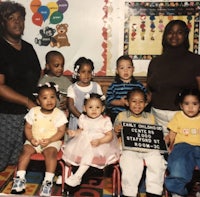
x,y
93,184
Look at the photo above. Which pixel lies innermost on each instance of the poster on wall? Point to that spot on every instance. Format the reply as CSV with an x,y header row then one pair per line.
x,y
72,27
145,22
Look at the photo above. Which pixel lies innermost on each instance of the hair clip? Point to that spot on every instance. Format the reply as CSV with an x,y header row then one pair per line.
x,y
35,94
75,74
56,87
103,98
76,68
48,84
87,96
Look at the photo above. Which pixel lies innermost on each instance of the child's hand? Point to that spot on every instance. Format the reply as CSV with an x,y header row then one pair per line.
x,y
71,133
95,142
167,139
45,142
118,129
63,103
34,142
123,101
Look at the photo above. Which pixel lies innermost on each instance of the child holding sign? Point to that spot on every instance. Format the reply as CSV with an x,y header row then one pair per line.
x,y
185,139
155,162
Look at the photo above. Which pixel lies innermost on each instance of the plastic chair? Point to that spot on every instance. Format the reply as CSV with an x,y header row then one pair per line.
x,y
40,157
116,180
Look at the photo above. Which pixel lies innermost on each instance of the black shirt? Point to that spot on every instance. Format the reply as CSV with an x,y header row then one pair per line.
x,y
21,69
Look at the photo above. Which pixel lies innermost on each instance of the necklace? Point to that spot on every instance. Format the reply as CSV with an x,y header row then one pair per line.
x,y
13,44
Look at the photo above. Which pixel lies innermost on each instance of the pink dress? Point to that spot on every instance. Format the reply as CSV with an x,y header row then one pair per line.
x,y
78,150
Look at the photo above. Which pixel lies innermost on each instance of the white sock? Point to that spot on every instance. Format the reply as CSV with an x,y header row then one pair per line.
x,y
81,171
21,174
49,176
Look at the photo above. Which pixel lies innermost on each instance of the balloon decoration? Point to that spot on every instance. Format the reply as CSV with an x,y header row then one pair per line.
x,y
52,11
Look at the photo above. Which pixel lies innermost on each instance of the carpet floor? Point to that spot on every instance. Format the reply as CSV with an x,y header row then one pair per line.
x,y
95,183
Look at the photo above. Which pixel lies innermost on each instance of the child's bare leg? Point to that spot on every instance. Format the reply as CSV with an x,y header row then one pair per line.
x,y
19,183
24,158
50,155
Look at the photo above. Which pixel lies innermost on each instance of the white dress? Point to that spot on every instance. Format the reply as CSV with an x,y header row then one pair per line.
x,y
78,150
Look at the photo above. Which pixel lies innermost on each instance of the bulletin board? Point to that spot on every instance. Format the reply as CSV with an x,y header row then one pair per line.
x,y
145,22
103,30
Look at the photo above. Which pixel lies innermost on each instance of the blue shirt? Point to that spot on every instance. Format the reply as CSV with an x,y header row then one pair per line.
x,y
119,89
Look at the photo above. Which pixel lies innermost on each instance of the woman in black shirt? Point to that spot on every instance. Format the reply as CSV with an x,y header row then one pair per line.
x,y
19,75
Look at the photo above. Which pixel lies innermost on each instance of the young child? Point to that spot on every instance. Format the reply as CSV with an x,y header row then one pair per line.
x,y
185,139
94,144
53,72
117,91
155,162
45,126
83,84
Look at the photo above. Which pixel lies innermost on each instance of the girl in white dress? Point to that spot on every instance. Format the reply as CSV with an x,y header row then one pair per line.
x,y
94,144
82,84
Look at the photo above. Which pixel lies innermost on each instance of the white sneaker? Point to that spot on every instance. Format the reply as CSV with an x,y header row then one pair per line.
x,y
176,195
59,180
19,186
45,189
73,181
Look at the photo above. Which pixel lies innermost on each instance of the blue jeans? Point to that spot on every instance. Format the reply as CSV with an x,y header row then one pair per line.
x,y
181,164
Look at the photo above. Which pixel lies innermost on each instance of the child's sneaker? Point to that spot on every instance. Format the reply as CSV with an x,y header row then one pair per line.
x,y
176,195
46,188
73,181
59,180
19,186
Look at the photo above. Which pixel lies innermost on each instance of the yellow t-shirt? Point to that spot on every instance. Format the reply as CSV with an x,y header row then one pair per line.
x,y
187,129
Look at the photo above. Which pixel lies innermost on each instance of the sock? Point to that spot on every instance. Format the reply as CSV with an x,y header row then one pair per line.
x,y
21,174
49,176
81,171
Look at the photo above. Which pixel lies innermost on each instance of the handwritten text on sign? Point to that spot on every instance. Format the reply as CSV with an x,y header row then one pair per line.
x,y
142,136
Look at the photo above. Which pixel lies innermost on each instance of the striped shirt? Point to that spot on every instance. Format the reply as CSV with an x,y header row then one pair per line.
x,y
119,89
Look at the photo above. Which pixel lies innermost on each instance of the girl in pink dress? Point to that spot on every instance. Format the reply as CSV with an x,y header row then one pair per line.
x,y
94,144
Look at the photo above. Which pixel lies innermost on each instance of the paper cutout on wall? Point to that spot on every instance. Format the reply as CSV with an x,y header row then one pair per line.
x,y
52,11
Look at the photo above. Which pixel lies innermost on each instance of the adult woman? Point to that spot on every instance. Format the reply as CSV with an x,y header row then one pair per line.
x,y
177,68
19,74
